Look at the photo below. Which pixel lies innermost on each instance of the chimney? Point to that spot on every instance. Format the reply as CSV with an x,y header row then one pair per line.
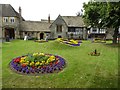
x,y
20,11
49,18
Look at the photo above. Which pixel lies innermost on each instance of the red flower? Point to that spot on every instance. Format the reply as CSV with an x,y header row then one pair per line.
x,y
24,65
33,66
17,60
14,60
56,62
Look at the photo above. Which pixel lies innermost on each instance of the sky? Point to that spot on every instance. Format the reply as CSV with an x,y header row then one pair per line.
x,y
40,9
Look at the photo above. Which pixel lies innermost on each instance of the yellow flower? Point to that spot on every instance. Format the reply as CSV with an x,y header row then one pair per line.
x,y
51,58
47,62
25,63
22,61
23,57
35,54
73,41
60,39
43,62
41,54
40,63
32,63
37,63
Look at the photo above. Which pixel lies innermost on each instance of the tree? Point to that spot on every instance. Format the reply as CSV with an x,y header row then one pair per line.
x,y
103,14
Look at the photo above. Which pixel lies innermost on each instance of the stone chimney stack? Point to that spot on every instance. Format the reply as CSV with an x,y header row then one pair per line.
x,y
20,19
20,11
49,18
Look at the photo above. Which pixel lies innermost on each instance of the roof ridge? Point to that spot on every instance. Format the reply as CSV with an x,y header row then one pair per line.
x,y
35,21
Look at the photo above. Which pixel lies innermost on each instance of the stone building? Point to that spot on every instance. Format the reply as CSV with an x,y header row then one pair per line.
x,y
15,26
35,29
96,32
10,21
68,27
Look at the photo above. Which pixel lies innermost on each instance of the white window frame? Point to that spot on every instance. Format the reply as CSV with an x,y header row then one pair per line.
x,y
5,19
12,19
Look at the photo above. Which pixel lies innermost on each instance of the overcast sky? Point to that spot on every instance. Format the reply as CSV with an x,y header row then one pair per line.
x,y
40,9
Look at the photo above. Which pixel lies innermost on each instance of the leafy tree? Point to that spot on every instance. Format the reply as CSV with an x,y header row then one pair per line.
x,y
103,14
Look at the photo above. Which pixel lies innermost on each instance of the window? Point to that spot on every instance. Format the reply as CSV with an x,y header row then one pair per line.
x,y
71,29
12,19
5,19
94,30
77,29
59,28
102,30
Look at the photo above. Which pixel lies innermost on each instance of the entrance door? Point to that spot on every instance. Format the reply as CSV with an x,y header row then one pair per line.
x,y
41,35
10,32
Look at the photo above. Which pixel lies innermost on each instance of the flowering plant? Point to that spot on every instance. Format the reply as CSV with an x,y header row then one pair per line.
x,y
37,63
40,41
99,40
94,53
71,42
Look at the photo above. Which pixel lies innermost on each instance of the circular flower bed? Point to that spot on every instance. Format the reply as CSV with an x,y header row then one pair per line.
x,y
41,41
37,63
94,53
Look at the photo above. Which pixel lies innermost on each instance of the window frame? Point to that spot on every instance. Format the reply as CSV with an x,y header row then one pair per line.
x,y
59,28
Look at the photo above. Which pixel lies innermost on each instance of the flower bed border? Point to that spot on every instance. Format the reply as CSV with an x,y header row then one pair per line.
x,y
35,73
40,41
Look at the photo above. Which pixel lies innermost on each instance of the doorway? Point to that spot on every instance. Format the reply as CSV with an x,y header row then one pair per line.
x,y
10,32
41,36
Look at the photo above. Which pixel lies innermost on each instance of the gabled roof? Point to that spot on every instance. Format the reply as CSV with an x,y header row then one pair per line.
x,y
35,26
9,11
73,21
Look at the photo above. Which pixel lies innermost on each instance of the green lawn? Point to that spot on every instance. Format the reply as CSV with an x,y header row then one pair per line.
x,y
0,65
82,70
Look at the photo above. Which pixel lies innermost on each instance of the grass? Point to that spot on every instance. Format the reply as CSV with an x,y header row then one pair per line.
x,y
82,70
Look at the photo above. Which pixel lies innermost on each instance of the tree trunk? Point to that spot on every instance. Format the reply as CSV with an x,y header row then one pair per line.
x,y
115,35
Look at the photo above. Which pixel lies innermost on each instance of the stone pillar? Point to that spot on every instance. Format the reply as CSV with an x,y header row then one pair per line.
x,y
44,36
38,35
35,34
16,33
